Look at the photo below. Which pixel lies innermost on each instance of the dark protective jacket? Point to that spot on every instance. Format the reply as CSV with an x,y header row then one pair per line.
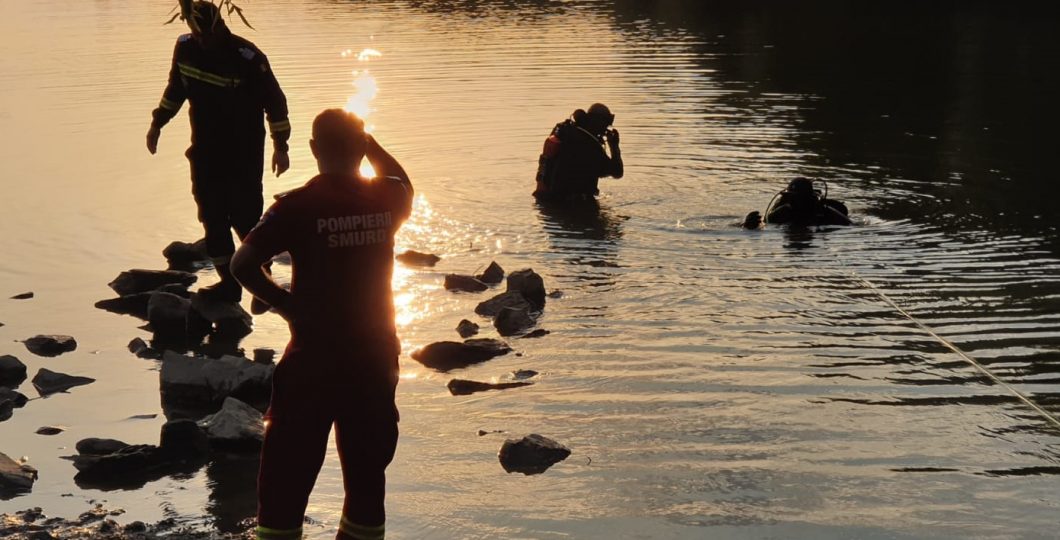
x,y
227,88
575,165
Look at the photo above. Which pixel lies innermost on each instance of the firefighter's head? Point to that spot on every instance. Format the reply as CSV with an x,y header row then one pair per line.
x,y
339,141
207,26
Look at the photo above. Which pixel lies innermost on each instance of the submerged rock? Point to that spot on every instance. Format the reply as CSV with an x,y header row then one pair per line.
x,y
23,296
229,318
182,255
492,275
168,314
540,332
530,284
523,374
50,430
264,356
460,282
131,304
511,321
50,345
48,382
416,258
141,281
466,328
99,447
463,387
493,306
448,355
9,401
189,381
15,477
12,371
236,425
141,349
532,454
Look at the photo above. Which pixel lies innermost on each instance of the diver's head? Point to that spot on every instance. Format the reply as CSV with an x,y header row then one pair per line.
x,y
339,141
207,26
598,118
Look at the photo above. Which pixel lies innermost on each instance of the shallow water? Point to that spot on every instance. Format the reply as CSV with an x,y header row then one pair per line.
x,y
710,381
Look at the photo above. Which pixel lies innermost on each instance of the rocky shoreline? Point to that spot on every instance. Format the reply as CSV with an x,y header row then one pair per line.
x,y
97,524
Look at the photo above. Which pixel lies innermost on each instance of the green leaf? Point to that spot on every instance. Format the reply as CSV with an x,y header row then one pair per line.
x,y
239,11
171,19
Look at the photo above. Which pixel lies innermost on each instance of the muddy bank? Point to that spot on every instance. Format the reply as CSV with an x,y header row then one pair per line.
x,y
98,524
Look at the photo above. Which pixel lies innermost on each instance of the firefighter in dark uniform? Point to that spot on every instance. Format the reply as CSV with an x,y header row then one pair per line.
x,y
574,159
228,84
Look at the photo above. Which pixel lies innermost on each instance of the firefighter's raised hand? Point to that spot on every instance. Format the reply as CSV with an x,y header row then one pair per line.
x,y
280,162
152,139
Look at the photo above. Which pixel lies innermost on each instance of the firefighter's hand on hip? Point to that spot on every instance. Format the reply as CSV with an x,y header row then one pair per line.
x,y
152,139
280,162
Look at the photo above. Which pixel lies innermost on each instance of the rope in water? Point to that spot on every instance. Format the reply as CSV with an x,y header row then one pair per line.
x,y
1050,418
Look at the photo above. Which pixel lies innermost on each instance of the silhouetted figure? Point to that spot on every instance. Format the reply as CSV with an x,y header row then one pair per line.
x,y
341,365
228,84
573,159
801,204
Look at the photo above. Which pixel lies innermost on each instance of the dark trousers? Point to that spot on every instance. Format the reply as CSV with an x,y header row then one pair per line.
x,y
226,183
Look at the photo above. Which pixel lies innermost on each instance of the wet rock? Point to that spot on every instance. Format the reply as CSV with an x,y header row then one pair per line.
x,y
141,281
236,425
532,454
189,381
184,438
23,296
530,284
9,401
512,321
229,318
460,282
50,345
49,382
556,293
99,447
492,275
493,306
416,258
523,374
177,289
463,387
141,349
132,304
466,328
15,477
7,409
540,332
168,314
264,356
50,430
184,255
12,371
448,355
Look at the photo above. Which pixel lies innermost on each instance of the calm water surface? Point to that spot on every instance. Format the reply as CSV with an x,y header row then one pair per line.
x,y
711,382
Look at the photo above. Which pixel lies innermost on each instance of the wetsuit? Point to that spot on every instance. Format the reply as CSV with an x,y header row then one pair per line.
x,y
227,88
579,163
341,365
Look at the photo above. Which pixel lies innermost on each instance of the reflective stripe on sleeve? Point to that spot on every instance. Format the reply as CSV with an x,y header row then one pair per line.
x,y
361,532
205,76
169,105
280,125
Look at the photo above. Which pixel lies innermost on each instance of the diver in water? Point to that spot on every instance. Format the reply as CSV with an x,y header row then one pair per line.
x,y
801,204
574,159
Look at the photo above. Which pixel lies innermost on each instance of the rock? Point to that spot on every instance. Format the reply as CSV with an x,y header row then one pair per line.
x,y
229,317
511,321
7,409
177,289
148,416
183,438
12,371
50,345
264,356
556,293
530,284
460,282
23,296
463,387
415,258
50,430
182,255
466,328
15,398
540,332
15,477
236,425
447,355
168,314
141,281
493,306
492,275
49,382
131,304
523,374
99,447
141,349
532,454
189,381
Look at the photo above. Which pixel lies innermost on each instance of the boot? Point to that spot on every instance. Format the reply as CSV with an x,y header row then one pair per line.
x,y
226,290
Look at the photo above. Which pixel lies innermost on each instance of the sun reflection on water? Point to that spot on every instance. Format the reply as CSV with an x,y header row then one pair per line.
x,y
366,88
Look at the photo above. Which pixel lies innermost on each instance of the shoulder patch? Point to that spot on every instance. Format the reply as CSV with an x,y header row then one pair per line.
x,y
247,53
183,38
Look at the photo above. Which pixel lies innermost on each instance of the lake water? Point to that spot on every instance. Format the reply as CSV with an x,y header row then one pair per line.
x,y
710,381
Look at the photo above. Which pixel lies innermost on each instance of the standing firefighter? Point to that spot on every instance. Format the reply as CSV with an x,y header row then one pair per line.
x,y
228,83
